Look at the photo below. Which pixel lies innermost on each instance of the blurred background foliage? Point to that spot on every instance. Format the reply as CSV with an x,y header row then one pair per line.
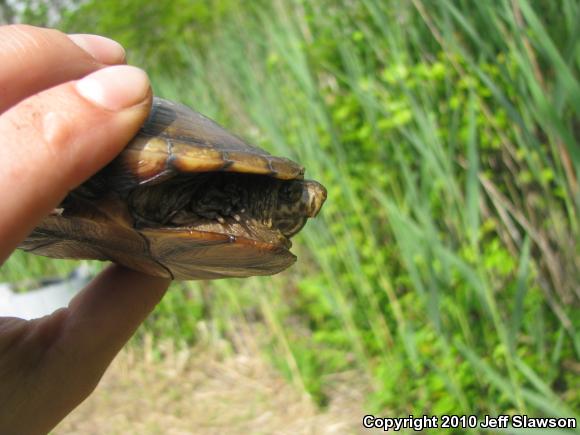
x,y
444,269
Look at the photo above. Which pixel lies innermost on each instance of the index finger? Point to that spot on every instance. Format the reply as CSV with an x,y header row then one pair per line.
x,y
34,59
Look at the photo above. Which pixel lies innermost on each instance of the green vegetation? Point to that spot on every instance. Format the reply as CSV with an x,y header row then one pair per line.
x,y
445,266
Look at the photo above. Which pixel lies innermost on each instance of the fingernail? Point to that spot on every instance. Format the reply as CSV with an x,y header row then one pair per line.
x,y
103,49
116,87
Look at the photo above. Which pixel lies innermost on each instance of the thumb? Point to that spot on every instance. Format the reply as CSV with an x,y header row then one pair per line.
x,y
54,140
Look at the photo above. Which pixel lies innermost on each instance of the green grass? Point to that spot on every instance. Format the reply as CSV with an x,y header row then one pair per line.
x,y
445,265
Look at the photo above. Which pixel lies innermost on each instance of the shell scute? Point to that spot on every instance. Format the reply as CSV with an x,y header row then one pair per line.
x,y
178,137
188,158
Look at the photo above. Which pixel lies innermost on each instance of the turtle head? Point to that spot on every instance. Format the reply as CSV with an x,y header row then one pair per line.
x,y
298,200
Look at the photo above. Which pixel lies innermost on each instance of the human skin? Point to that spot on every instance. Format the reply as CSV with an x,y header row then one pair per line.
x,y
68,105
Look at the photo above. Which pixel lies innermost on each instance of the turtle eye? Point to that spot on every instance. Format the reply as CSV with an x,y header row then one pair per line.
x,y
290,192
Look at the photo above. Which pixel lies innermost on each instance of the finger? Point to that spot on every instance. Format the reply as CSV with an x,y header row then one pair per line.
x,y
97,324
62,357
104,50
34,59
108,311
54,140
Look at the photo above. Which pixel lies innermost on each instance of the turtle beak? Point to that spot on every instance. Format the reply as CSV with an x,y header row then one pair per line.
x,y
300,201
313,197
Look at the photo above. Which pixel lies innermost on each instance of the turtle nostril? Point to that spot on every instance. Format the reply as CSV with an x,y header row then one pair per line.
x,y
314,195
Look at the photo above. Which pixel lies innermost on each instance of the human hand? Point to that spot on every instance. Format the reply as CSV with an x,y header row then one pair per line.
x,y
67,107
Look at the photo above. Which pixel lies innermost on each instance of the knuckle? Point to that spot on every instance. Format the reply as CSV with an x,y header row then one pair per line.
x,y
56,131
41,127
22,39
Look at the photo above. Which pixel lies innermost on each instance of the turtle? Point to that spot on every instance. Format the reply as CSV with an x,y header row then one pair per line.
x,y
185,199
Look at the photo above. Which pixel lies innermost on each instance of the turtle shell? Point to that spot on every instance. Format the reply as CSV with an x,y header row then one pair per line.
x,y
185,199
176,139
